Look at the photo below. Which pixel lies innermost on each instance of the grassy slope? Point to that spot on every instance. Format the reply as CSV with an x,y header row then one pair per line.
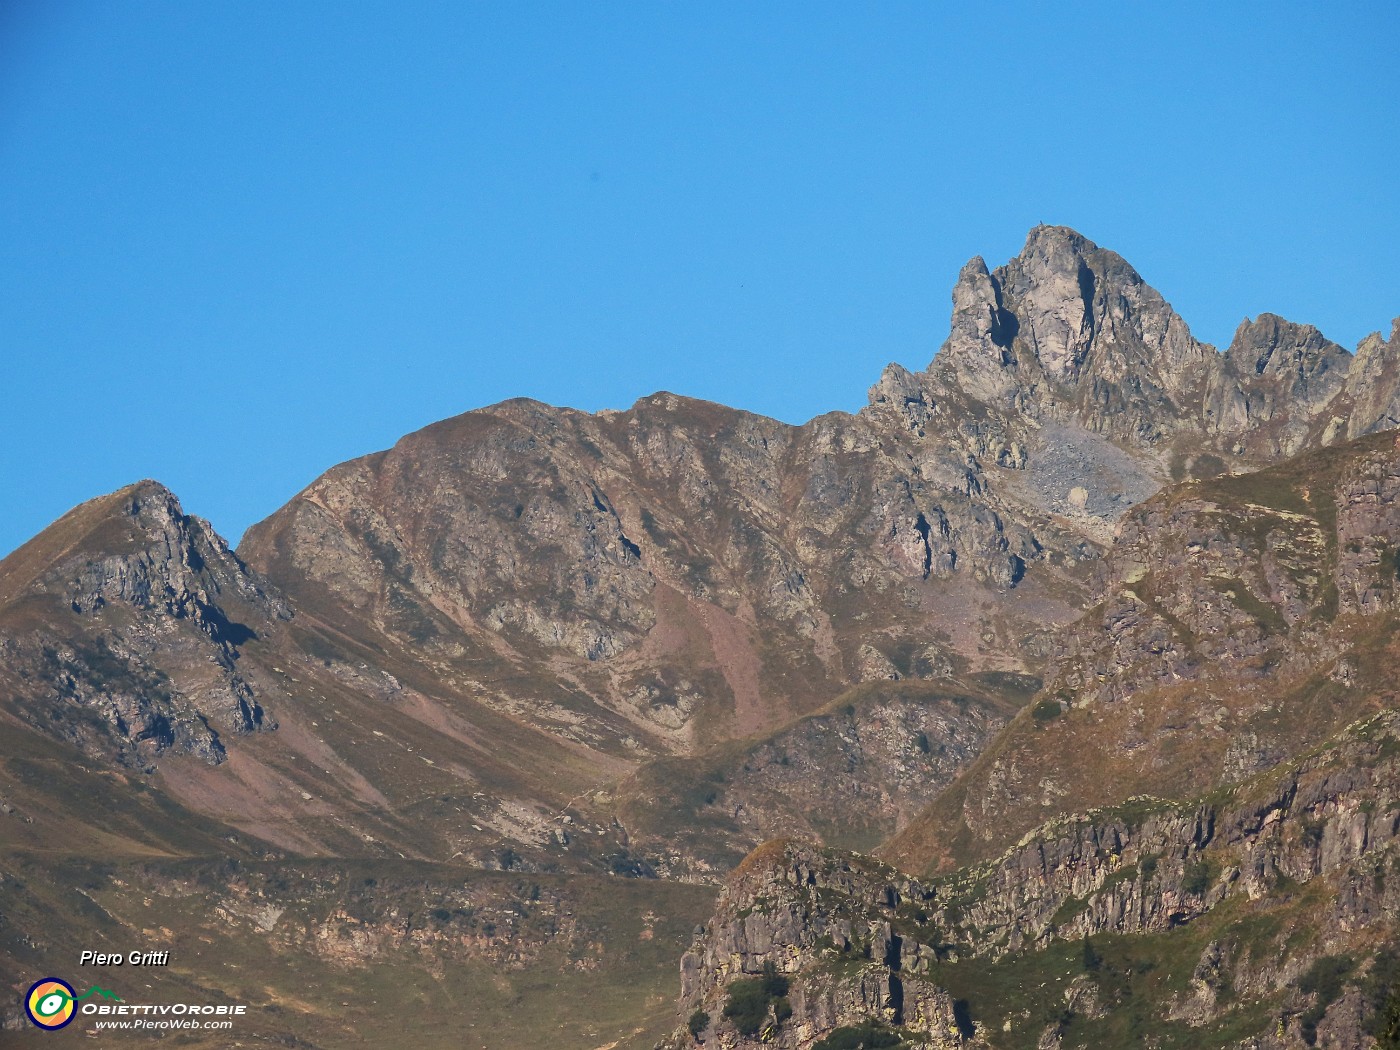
x,y
373,934
88,858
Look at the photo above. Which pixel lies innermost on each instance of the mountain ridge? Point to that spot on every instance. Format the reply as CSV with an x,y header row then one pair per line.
x,y
637,644
672,566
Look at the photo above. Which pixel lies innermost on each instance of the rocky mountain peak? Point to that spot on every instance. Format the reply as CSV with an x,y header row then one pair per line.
x,y
1277,385
130,617
1373,384
1056,288
139,548
1068,331
1269,344
1068,335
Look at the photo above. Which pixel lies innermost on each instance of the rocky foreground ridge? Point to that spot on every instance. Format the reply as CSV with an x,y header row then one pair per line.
x,y
1210,923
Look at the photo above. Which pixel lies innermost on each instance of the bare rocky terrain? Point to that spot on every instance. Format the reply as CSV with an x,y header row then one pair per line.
x,y
1208,923
1082,561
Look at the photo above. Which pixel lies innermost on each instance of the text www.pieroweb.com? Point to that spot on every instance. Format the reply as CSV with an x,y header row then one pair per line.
x,y
146,1025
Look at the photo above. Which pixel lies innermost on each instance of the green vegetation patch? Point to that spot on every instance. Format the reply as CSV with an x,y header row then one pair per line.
x,y
1380,994
1199,876
865,1036
1134,975
750,1000
698,1022
1390,565
1246,601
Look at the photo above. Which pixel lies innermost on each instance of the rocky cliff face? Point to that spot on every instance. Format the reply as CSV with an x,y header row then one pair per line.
x,y
1071,332
678,558
1200,924
123,626
820,922
1279,387
489,522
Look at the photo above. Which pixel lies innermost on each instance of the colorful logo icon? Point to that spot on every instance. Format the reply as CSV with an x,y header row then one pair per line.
x,y
49,1003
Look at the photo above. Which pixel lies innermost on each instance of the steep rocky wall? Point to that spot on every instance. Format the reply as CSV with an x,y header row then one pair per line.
x,y
1315,841
122,629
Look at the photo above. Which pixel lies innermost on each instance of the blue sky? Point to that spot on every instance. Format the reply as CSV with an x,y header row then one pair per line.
x,y
241,242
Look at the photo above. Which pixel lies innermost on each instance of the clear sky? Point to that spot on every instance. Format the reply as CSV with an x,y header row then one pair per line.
x,y
243,241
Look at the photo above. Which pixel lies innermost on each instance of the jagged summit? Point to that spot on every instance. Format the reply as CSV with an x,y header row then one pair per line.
x,y
1270,343
78,529
1066,287
1069,331
1068,334
128,615
135,546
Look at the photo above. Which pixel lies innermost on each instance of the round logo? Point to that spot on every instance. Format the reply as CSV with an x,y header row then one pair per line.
x,y
49,1003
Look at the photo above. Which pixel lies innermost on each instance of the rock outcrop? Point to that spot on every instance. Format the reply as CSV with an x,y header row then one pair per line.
x,y
122,629
822,924
1212,894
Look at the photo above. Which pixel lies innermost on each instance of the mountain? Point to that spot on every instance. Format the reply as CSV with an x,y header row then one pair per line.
x,y
1263,916
1239,622
1189,839
536,655
135,615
